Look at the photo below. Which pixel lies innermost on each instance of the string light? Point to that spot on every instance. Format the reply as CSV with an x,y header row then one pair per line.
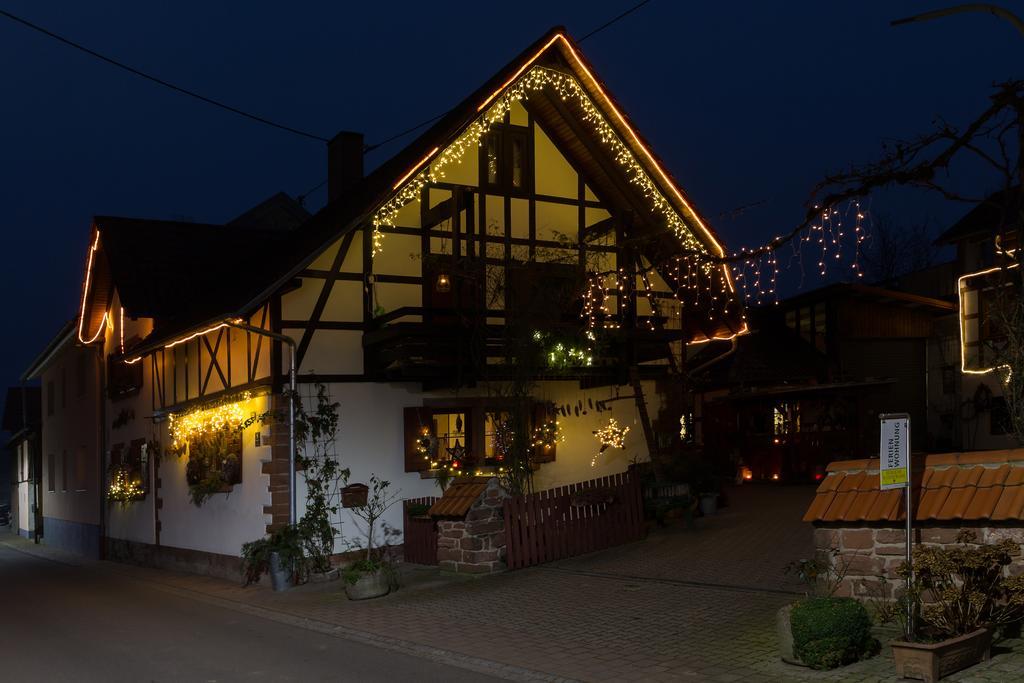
x,y
229,323
566,87
123,488
547,435
85,295
187,426
963,321
610,436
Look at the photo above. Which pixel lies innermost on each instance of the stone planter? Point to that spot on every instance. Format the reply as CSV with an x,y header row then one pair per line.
x,y
325,577
280,576
709,504
929,662
368,586
784,631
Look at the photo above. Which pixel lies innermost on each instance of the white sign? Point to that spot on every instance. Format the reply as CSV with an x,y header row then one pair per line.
x,y
894,451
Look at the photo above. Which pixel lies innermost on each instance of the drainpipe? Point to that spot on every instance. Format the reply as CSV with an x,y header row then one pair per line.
x,y
103,451
291,404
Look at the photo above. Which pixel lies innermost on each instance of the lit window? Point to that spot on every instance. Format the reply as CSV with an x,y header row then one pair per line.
x,y
450,430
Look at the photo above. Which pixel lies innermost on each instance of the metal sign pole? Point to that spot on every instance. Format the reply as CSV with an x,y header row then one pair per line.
x,y
894,472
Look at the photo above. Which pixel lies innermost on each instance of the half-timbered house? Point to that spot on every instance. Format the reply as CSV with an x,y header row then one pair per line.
x,y
532,215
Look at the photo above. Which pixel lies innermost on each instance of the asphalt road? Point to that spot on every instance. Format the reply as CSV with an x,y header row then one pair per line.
x,y
64,623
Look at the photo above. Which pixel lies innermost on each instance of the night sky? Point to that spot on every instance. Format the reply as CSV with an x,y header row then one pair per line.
x,y
746,102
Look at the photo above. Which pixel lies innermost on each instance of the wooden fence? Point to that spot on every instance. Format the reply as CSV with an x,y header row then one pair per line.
x,y
419,541
573,520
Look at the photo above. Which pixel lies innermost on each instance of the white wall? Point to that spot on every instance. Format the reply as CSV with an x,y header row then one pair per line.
x,y
370,440
225,520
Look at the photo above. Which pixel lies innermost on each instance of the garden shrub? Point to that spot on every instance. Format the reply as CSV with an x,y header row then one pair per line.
x,y
831,632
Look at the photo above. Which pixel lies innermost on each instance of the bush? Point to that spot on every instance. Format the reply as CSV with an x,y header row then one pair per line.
x,y
831,632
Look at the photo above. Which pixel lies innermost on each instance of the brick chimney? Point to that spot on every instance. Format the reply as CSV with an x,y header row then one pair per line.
x,y
344,163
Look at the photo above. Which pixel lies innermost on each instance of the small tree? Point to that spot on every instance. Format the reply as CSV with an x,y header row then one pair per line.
x,y
378,502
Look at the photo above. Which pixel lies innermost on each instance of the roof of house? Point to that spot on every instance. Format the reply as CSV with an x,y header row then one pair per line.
x,y
995,213
459,497
277,212
169,270
948,487
66,335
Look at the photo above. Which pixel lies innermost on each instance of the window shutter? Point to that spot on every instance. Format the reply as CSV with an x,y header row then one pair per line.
x,y
415,420
542,412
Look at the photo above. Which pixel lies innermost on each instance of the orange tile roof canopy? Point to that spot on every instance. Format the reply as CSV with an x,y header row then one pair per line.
x,y
951,487
459,497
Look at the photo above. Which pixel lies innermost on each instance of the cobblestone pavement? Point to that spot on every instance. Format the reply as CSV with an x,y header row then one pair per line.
x,y
690,605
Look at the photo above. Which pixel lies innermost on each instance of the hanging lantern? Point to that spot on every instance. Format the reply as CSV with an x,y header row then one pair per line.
x,y
443,285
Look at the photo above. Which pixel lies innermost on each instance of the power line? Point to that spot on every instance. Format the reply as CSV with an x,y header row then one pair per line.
x,y
612,21
159,81
370,148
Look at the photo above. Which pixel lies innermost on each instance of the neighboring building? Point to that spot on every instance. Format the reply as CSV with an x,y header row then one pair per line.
x,y
807,385
22,421
72,470
404,296
987,260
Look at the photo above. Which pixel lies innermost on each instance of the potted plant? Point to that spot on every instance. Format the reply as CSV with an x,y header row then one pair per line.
x,y
371,576
279,554
823,631
953,601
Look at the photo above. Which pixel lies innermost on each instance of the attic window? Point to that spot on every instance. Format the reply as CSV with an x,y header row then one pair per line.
x,y
506,161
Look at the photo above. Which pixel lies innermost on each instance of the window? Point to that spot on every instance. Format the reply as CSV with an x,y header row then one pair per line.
x,y
469,434
451,431
686,433
81,474
493,422
785,419
64,471
49,397
123,379
51,473
506,163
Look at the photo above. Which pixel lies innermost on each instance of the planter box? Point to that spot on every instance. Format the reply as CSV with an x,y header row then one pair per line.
x,y
929,662
368,586
784,632
354,496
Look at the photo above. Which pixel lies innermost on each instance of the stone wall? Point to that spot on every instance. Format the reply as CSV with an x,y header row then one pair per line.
x,y
871,552
476,544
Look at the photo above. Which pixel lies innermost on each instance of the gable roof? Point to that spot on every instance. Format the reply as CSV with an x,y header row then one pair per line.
x,y
554,50
171,270
65,336
997,212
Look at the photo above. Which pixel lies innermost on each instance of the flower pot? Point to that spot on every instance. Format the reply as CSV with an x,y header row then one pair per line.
x,y
354,495
784,631
709,504
280,576
929,662
368,585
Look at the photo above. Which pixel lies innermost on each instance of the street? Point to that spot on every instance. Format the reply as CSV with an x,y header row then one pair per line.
x,y
67,623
